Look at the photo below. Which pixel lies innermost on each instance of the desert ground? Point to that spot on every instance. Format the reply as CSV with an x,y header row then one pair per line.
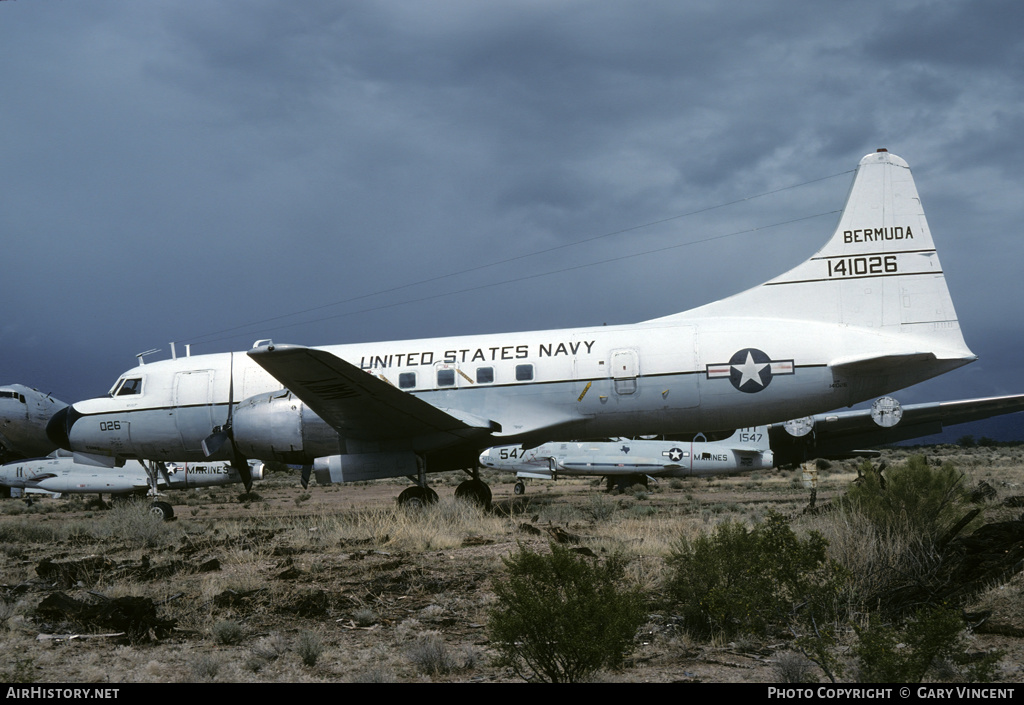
x,y
337,583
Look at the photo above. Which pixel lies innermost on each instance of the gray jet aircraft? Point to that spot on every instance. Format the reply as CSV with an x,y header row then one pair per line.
x,y
24,413
58,473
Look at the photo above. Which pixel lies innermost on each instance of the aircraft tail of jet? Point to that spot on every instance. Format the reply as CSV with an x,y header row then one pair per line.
x,y
878,271
754,439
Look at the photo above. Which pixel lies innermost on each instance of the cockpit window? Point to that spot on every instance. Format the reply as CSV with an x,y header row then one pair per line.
x,y
5,394
126,387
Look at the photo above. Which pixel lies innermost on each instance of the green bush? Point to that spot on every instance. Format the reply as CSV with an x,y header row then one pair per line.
x,y
561,617
931,640
737,580
915,499
892,534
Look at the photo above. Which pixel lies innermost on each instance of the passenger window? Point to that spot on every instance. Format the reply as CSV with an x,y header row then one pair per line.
x,y
446,378
524,373
484,375
407,380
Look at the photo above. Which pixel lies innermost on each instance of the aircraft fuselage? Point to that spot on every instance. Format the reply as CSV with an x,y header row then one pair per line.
x,y
586,383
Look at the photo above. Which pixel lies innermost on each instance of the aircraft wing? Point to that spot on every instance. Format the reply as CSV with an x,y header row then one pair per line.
x,y
839,433
361,406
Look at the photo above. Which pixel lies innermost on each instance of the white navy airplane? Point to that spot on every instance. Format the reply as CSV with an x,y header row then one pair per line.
x,y
58,473
632,462
837,435
24,413
866,315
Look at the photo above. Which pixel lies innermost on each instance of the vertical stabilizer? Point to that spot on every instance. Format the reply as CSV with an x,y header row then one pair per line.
x,y
754,439
879,270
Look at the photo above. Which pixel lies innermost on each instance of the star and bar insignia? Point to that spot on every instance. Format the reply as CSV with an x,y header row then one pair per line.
x,y
750,370
673,454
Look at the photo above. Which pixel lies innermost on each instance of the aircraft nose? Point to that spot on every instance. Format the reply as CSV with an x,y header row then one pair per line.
x,y
58,428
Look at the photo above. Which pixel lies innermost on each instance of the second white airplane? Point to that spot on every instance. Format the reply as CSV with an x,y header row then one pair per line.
x,y
866,315
629,462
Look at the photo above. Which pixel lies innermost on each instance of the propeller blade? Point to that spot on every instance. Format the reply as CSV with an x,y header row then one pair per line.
x,y
245,472
214,442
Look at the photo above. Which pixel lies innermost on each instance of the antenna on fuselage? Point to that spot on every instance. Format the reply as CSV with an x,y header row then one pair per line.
x,y
143,354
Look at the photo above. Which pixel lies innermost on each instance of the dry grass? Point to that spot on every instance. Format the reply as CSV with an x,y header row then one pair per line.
x,y
381,594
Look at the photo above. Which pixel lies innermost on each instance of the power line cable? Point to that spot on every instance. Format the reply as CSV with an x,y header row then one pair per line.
x,y
507,281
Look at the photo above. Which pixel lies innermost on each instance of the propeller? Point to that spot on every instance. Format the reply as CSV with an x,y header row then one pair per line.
x,y
223,434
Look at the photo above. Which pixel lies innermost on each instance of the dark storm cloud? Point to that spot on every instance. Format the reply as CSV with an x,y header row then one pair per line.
x,y
173,171
978,35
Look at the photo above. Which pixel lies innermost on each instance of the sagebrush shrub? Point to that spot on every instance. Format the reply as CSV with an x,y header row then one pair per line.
x,y
738,580
908,652
560,617
892,536
914,499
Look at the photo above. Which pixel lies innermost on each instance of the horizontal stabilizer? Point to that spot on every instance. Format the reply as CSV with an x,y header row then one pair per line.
x,y
878,364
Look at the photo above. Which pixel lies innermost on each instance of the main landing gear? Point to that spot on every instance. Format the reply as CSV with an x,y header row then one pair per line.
x,y
475,490
163,510
158,508
419,495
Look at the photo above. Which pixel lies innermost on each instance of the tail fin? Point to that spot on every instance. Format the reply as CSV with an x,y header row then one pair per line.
x,y
879,270
753,439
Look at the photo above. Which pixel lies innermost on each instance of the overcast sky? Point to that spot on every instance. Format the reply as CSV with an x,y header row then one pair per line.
x,y
217,172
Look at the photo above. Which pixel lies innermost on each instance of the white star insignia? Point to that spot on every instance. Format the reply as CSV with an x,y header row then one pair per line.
x,y
750,370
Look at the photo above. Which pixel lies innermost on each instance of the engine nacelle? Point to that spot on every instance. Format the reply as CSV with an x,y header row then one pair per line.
x,y
279,426
353,467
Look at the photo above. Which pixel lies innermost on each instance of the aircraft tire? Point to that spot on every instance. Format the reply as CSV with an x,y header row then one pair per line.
x,y
162,509
520,488
417,496
475,491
